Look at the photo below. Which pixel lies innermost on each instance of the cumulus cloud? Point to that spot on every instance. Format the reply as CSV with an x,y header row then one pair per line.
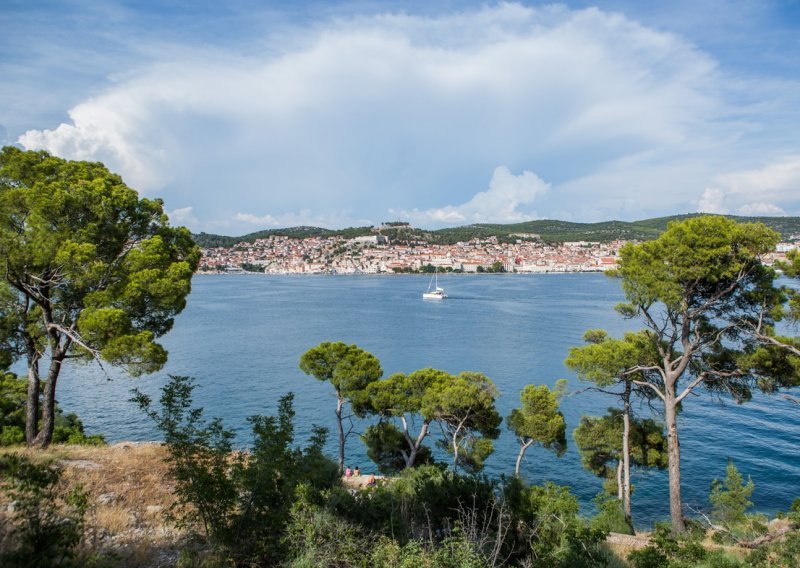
x,y
104,130
769,190
761,209
405,112
778,180
712,201
182,216
505,201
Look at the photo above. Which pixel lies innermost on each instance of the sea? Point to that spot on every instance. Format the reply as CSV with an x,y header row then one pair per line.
x,y
241,338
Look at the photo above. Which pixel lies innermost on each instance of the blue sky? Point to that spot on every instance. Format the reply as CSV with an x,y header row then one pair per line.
x,y
247,115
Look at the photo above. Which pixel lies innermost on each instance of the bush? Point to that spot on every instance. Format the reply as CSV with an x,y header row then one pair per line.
x,y
549,530
242,500
730,500
45,525
610,516
684,551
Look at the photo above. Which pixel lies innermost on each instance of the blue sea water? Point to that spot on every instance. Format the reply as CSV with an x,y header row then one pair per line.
x,y
241,337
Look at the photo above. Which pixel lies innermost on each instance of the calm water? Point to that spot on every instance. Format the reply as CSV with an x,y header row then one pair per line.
x,y
242,337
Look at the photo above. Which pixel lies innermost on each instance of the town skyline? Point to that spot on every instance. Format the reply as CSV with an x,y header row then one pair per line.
x,y
377,254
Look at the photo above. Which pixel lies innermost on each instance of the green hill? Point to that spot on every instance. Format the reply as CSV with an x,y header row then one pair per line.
x,y
548,230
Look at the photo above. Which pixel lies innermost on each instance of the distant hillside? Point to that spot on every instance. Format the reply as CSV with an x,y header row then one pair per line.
x,y
548,230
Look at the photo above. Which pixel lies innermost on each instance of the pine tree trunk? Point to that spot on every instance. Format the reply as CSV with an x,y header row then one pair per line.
x,y
49,403
674,454
620,490
32,401
522,447
339,405
455,451
414,445
626,453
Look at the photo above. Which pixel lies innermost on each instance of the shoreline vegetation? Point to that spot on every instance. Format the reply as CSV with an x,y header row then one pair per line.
x,y
130,491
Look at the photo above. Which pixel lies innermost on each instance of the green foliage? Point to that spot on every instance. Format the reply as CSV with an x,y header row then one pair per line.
x,y
348,368
386,446
96,272
462,404
415,393
548,529
606,361
431,516
695,259
45,525
317,537
538,420
403,398
791,268
610,515
248,267
784,551
79,242
685,551
730,500
464,407
496,266
242,500
551,231
13,393
599,440
699,289
69,430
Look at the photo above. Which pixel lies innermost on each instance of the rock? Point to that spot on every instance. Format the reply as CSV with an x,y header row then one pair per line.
x,y
80,464
153,509
778,525
107,498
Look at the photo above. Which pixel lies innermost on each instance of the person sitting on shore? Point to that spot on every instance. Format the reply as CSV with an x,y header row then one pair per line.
x,y
371,480
348,472
357,472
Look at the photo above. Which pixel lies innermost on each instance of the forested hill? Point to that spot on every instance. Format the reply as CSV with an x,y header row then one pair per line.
x,y
548,230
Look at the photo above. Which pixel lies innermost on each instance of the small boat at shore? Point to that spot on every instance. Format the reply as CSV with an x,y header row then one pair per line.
x,y
434,292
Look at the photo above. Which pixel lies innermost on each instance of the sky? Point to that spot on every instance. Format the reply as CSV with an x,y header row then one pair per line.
x,y
247,115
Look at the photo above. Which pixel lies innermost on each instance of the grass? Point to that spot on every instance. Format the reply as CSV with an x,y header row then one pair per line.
x,y
130,494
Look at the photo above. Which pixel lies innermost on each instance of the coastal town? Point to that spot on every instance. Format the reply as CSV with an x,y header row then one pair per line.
x,y
376,254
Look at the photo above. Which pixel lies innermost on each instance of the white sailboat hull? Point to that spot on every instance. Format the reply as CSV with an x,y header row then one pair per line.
x,y
433,295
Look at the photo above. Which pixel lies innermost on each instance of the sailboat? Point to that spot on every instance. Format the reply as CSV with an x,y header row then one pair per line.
x,y
434,292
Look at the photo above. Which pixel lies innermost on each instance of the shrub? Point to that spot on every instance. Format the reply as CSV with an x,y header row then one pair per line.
x,y
684,551
548,529
610,516
242,500
730,500
46,525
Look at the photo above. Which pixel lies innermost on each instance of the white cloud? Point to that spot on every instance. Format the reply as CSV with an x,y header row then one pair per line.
x,y
406,112
107,130
712,201
505,201
770,190
778,180
761,209
182,216
303,218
